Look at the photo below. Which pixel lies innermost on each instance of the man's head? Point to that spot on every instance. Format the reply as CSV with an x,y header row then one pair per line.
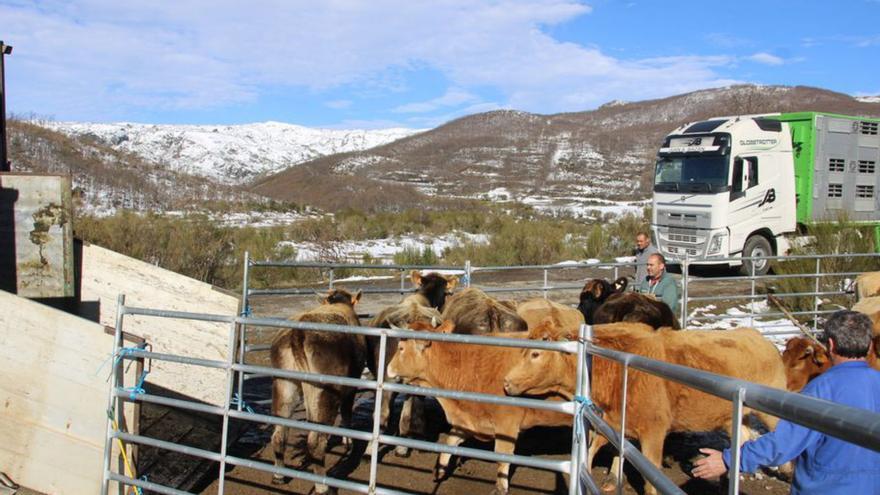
x,y
643,240
849,334
656,265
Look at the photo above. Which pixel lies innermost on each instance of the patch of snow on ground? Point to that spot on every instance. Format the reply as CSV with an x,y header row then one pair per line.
x,y
777,330
358,278
382,250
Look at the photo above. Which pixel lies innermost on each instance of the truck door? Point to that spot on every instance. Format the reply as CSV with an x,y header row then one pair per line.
x,y
748,198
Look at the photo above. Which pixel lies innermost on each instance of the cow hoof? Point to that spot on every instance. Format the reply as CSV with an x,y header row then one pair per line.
x,y
279,480
440,473
609,486
401,451
320,489
498,491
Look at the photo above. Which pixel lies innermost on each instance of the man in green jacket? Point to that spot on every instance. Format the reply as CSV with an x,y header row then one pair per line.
x,y
660,284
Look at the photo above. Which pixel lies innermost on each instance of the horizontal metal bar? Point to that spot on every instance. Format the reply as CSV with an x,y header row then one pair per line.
x,y
526,289
318,264
311,292
546,405
146,485
306,376
570,347
486,455
847,423
741,278
294,473
578,266
759,315
301,425
652,474
779,295
166,401
162,444
257,347
183,315
174,358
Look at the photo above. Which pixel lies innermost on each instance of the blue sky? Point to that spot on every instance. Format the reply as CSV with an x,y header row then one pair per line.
x,y
374,64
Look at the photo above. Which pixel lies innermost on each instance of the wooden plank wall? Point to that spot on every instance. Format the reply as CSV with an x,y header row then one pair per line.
x,y
53,397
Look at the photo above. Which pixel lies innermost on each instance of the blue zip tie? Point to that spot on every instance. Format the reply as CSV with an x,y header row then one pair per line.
x,y
237,399
246,312
118,356
139,388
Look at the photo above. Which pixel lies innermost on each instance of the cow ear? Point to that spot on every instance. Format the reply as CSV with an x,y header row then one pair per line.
x,y
597,290
448,326
356,298
620,284
451,283
421,345
416,278
435,322
322,298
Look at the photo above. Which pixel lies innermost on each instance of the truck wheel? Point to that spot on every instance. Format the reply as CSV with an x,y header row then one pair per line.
x,y
756,245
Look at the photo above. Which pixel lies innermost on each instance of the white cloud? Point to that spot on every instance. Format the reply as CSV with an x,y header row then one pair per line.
x,y
103,58
338,104
452,98
766,59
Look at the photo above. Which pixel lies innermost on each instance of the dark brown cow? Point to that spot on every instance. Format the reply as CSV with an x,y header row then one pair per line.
x,y
474,312
655,407
423,306
327,353
594,294
636,308
804,359
470,368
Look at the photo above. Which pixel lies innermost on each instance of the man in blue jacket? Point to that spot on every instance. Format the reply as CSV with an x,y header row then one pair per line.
x,y
824,464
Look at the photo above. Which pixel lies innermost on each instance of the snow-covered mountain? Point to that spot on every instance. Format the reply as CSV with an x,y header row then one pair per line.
x,y
230,154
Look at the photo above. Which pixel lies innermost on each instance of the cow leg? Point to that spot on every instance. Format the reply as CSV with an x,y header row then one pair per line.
x,y
412,421
322,405
503,445
652,448
283,395
346,409
597,442
442,469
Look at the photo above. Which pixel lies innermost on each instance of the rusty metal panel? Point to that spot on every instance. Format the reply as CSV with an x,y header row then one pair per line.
x,y
36,235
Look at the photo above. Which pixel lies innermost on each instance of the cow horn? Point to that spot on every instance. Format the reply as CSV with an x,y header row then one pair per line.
x,y
435,322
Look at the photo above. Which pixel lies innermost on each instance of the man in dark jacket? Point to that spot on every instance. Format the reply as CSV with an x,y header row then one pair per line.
x,y
824,464
644,249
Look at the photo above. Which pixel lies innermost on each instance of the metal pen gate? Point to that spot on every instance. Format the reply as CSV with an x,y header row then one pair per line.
x,y
856,426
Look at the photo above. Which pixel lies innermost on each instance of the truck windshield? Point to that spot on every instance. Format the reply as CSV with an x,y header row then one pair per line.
x,y
696,174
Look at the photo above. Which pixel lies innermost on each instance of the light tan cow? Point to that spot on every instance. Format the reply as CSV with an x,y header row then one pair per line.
x,y
470,368
655,407
534,311
422,306
474,312
871,307
328,353
868,285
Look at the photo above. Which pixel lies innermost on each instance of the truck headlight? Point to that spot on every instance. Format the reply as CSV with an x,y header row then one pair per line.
x,y
715,243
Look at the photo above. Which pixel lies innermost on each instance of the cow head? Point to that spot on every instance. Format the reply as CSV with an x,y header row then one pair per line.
x,y
539,372
410,363
434,287
804,359
340,296
595,292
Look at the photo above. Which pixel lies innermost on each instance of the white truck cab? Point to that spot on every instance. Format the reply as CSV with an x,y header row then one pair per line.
x,y
725,187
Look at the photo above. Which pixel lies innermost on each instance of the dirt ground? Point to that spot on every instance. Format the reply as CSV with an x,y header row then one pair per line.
x,y
414,473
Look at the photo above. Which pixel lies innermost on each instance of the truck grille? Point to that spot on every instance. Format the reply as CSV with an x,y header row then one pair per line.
x,y
690,239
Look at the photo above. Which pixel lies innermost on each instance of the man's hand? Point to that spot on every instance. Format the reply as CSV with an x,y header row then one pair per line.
x,y
711,466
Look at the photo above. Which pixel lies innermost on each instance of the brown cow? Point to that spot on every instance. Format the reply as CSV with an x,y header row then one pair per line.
x,y
871,307
422,306
804,359
470,368
636,308
474,312
655,407
868,285
534,311
327,353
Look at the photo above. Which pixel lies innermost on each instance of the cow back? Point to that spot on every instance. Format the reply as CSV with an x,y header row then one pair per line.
x,y
535,311
634,307
474,312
